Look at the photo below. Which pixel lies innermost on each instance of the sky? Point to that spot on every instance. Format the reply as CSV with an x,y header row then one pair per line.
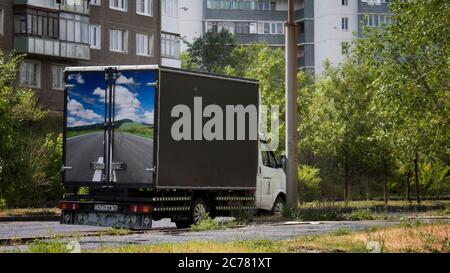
x,y
133,100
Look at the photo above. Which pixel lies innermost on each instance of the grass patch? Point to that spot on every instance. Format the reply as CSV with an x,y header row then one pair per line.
x,y
29,212
207,223
446,211
136,129
342,232
361,214
424,238
325,213
51,246
366,204
115,231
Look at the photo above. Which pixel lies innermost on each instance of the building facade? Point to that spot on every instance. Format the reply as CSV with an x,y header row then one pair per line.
x,y
325,27
338,22
58,33
170,33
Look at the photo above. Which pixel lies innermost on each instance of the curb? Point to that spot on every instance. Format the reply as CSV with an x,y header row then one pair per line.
x,y
29,218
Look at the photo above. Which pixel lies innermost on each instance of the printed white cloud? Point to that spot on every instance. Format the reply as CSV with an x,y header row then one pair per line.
x,y
147,118
126,102
73,122
101,93
76,109
77,77
124,80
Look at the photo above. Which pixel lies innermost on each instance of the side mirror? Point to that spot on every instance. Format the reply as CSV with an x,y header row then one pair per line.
x,y
283,160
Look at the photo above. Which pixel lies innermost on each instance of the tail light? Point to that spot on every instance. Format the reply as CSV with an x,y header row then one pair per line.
x,y
68,206
140,209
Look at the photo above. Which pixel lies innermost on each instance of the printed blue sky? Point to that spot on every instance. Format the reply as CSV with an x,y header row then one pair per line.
x,y
134,100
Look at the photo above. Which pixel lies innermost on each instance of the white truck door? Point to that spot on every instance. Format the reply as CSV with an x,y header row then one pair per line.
x,y
268,179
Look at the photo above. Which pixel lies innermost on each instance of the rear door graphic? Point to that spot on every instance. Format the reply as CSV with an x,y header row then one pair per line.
x,y
109,127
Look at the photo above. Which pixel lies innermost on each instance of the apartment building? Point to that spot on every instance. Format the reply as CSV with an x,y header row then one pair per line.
x,y
325,27
170,33
338,22
58,33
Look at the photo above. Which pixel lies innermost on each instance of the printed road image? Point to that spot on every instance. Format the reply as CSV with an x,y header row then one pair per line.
x,y
133,120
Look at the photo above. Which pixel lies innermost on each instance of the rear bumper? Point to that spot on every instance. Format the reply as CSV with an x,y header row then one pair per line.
x,y
107,219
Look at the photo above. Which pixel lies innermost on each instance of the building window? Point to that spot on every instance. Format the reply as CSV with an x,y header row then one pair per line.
x,y
217,27
37,23
376,20
170,46
96,2
121,5
58,77
118,40
144,7
245,28
241,4
30,74
169,8
144,45
270,28
2,21
345,2
345,48
74,28
344,23
95,36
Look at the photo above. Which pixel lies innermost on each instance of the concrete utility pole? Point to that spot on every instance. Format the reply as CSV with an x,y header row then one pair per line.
x,y
291,108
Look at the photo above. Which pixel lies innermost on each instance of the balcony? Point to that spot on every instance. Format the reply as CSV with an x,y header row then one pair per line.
x,y
73,6
49,4
53,48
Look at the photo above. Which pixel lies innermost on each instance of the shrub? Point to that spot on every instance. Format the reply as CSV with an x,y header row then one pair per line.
x,y
309,183
331,213
2,203
207,223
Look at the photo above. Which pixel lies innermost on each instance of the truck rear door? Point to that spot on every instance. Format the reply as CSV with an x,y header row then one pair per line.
x,y
108,138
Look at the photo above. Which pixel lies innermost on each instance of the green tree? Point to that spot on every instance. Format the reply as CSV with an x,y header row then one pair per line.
x,y
411,60
340,123
29,162
210,52
262,63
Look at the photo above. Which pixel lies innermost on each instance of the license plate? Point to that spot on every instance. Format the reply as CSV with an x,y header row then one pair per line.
x,y
102,207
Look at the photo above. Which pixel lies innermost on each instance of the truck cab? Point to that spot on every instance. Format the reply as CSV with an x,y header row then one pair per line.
x,y
271,181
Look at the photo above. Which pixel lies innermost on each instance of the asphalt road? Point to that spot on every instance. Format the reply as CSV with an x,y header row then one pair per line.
x,y
80,152
272,231
135,151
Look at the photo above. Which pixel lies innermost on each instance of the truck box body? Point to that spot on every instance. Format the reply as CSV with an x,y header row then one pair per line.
x,y
119,122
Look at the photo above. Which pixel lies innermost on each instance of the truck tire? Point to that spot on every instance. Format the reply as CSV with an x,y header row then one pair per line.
x,y
198,210
278,207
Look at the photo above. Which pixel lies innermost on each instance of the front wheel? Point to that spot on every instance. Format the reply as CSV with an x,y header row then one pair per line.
x,y
278,207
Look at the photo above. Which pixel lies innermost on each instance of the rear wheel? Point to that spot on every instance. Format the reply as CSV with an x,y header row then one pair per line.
x,y
199,210
278,207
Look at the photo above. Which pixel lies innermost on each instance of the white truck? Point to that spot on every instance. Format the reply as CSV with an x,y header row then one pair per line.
x,y
143,143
